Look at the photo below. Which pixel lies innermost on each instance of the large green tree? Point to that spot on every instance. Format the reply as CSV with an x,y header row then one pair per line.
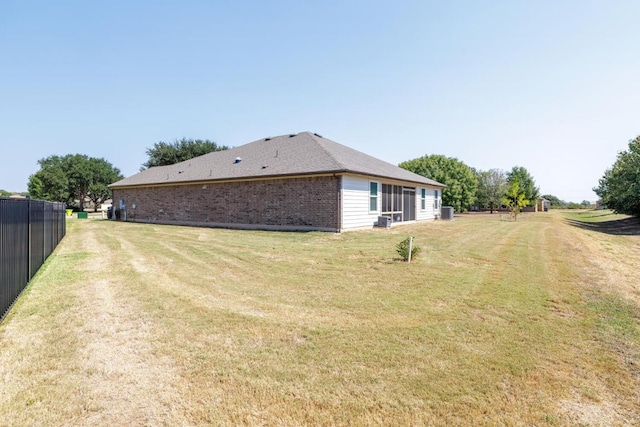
x,y
459,178
73,178
165,153
103,174
525,182
619,188
492,185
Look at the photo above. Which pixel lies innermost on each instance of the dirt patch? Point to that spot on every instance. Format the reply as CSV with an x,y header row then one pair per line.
x,y
122,377
600,414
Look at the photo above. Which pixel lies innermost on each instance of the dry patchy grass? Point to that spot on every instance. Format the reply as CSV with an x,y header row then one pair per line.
x,y
496,323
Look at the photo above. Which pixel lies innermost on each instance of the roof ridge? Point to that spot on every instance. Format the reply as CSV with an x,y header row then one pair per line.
x,y
329,153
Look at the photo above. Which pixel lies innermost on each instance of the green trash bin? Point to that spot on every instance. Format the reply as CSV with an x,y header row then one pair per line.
x,y
83,215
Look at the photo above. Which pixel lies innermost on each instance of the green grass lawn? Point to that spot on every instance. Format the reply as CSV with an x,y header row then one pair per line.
x,y
532,322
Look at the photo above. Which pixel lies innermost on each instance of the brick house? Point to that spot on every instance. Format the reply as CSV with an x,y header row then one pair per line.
x,y
290,182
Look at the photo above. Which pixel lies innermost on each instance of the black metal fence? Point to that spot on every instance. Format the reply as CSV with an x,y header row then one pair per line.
x,y
29,231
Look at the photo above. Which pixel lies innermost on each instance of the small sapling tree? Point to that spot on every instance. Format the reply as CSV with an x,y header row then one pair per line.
x,y
403,249
515,198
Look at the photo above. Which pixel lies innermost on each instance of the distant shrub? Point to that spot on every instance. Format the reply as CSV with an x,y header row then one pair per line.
x,y
403,249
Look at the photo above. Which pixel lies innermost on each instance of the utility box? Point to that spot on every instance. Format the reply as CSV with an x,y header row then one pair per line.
x,y
446,213
384,221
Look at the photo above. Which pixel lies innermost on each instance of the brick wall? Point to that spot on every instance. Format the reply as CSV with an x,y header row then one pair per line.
x,y
303,203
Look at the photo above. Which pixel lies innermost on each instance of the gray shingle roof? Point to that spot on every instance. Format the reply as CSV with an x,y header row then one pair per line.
x,y
304,153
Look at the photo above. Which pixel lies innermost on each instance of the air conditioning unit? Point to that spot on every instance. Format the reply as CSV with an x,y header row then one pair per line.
x,y
446,213
384,221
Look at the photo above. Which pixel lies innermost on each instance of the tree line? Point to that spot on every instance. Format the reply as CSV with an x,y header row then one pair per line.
x,y
468,187
5,193
557,203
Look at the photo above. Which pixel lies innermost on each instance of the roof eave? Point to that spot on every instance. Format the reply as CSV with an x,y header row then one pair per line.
x,y
267,177
228,179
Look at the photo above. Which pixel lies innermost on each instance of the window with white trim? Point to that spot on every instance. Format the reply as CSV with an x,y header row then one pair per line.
x,y
373,196
436,200
423,198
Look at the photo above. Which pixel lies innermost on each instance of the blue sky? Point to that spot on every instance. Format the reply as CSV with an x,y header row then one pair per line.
x,y
549,85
